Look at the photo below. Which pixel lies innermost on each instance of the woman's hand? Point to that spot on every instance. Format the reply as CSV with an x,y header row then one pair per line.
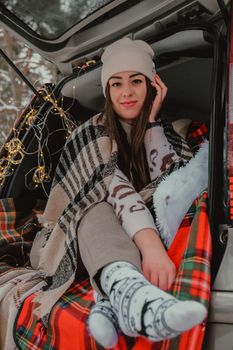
x,y
159,98
157,267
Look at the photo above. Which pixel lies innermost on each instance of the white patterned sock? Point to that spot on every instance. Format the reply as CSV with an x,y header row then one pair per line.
x,y
144,309
103,323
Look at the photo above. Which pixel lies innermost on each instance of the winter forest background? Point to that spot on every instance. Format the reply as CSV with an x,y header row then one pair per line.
x,y
14,93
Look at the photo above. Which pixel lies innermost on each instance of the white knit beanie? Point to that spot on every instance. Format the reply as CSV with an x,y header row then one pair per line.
x,y
127,55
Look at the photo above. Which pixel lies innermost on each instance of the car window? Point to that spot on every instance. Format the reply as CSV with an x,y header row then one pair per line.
x,y
52,18
14,93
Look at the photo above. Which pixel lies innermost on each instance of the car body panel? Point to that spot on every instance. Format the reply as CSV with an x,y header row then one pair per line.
x,y
80,40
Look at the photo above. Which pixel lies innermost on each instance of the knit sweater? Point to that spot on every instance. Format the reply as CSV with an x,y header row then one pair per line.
x,y
130,209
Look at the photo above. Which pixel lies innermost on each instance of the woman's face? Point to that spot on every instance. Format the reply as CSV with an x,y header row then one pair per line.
x,y
128,92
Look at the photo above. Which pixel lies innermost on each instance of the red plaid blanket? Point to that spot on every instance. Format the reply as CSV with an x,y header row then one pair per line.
x,y
191,252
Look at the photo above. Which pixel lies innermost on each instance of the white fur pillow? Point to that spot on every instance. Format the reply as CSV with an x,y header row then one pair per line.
x,y
177,191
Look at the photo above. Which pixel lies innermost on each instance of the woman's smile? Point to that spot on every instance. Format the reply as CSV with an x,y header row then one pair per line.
x,y
128,104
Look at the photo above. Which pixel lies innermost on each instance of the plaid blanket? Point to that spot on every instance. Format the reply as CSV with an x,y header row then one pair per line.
x,y
191,252
19,225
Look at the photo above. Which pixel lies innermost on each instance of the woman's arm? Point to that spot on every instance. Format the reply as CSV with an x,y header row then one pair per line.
x,y
163,145
157,267
137,221
128,205
159,151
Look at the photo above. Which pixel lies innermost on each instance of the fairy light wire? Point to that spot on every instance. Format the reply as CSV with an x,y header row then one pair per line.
x,y
14,147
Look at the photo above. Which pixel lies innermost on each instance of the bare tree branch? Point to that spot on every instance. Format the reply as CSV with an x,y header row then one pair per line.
x,y
8,41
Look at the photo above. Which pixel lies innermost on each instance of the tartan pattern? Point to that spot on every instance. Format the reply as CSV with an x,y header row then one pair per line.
x,y
18,229
191,252
197,133
193,277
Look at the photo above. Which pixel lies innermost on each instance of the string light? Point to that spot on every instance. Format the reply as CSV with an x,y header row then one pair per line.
x,y
4,169
85,65
68,123
14,156
30,116
14,148
15,151
40,175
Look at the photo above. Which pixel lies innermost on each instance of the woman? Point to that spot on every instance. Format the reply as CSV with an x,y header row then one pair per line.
x,y
133,276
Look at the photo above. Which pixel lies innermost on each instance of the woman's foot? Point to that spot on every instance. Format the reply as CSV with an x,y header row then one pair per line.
x,y
103,323
145,310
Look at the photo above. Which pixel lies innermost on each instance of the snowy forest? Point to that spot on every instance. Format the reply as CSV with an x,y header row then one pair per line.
x,y
14,93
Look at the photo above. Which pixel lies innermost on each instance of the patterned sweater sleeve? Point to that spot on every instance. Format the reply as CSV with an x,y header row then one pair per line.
x,y
163,148
128,205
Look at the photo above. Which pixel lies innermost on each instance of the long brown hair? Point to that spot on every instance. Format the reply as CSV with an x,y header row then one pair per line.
x,y
131,157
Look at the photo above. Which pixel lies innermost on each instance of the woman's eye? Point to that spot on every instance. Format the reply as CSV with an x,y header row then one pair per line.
x,y
137,81
116,84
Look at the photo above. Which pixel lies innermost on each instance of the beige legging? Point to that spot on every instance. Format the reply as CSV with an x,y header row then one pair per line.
x,y
102,241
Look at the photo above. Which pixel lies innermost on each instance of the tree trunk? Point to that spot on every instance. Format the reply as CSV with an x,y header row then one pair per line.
x,y
9,48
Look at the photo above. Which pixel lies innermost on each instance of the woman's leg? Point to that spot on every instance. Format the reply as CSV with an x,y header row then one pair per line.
x,y
141,308
145,310
103,241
